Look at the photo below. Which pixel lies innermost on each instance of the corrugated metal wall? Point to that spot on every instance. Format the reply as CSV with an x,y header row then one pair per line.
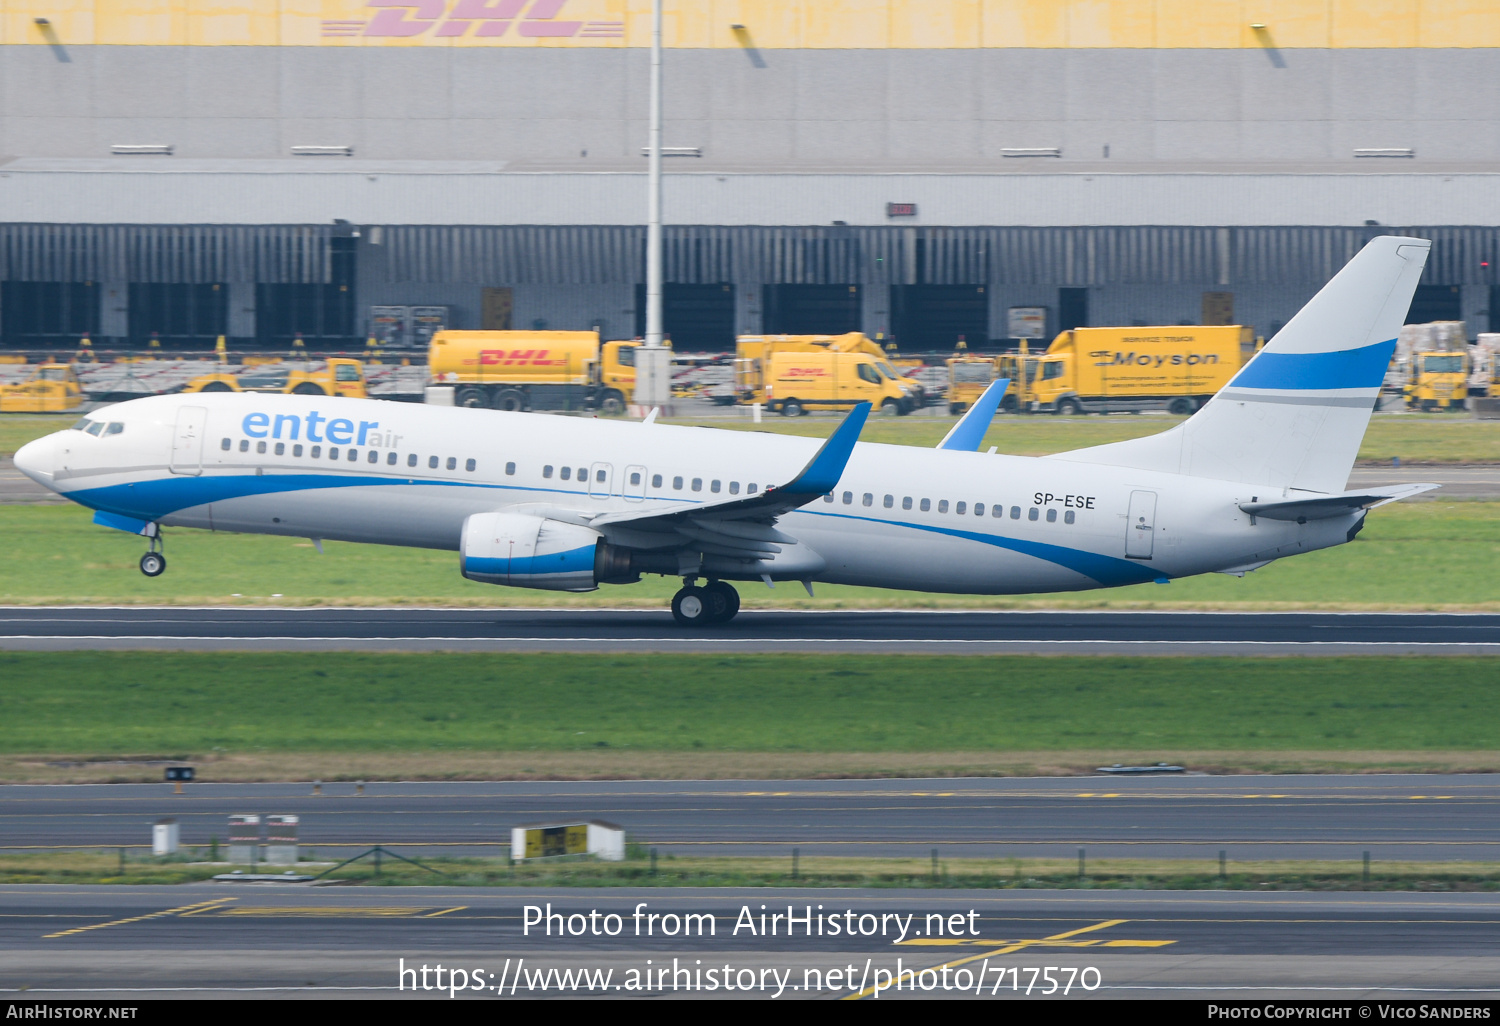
x,y
165,253
836,254
898,255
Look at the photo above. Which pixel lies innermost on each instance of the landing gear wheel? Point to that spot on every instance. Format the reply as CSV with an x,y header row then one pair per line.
x,y
692,607
724,600
153,563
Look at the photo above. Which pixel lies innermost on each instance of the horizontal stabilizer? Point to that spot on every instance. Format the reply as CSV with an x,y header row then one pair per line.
x,y
1326,507
969,432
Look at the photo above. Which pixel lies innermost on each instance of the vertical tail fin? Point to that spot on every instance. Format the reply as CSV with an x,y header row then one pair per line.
x,y
1294,416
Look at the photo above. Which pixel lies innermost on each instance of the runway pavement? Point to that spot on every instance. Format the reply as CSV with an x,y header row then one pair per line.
x,y
220,940
1394,817
868,632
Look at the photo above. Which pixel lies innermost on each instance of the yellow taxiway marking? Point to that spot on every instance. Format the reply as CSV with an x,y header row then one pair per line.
x,y
1057,940
183,910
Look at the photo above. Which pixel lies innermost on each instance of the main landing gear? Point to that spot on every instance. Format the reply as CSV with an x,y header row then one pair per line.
x,y
154,562
715,602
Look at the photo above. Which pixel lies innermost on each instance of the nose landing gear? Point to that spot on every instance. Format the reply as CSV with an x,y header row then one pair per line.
x,y
715,602
154,562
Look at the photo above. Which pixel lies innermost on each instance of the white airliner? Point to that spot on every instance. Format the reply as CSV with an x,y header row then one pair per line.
x,y
538,501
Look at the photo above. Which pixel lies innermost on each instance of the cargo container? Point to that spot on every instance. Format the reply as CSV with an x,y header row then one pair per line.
x,y
1105,370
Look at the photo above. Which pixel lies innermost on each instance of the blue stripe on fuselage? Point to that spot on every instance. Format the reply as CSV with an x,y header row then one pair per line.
x,y
1346,368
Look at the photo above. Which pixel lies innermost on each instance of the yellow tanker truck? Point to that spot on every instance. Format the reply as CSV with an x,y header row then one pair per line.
x,y
1110,370
533,370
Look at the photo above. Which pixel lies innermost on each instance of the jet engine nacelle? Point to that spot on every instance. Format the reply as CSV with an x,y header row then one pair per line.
x,y
528,552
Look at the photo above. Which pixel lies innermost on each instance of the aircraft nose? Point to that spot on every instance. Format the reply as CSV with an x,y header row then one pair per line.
x,y
34,459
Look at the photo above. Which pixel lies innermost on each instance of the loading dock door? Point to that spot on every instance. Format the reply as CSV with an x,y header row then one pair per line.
x,y
810,309
187,441
1141,526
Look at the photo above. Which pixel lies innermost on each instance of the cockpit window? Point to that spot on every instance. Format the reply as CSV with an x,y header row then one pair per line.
x,y
95,426
114,428
81,425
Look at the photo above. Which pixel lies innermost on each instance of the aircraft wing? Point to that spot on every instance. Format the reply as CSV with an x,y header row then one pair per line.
x,y
1326,507
742,527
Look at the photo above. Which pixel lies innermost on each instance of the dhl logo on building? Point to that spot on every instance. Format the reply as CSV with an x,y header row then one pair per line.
x,y
475,18
518,358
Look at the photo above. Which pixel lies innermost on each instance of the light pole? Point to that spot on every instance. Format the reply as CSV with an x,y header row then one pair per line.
x,y
653,383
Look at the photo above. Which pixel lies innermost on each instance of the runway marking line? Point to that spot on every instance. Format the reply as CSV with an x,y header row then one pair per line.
x,y
1057,940
329,911
183,910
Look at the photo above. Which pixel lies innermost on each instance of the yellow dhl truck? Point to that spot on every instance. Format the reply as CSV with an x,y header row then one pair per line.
x,y
339,377
791,374
51,388
1110,370
1439,381
534,370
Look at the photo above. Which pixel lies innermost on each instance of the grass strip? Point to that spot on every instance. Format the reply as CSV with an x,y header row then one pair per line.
x,y
185,704
105,867
1439,555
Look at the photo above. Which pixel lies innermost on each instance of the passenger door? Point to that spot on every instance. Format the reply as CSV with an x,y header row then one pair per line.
x,y
1141,525
187,441
601,480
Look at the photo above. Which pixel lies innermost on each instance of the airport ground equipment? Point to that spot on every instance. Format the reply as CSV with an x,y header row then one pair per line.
x,y
605,841
791,374
1438,381
48,388
968,376
336,377
1118,370
533,370
165,836
1484,366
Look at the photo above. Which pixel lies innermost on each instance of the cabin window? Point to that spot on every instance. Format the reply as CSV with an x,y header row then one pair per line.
x,y
868,500
848,498
655,480
583,474
353,455
1015,512
373,457
469,465
961,508
1052,516
890,501
244,445
997,511
906,502
635,477
598,475
224,445
828,497
317,451
752,488
390,459
713,486
1032,513
452,463
677,484
734,488
979,509
566,473
432,462
1068,517
942,505
926,505
333,452
260,447
510,470
281,448
546,471
297,449
697,484
114,428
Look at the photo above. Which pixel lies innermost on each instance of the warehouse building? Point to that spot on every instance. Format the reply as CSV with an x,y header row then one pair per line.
x,y
924,170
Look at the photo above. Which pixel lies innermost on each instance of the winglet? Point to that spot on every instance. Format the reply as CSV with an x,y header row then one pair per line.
x,y
969,432
823,471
